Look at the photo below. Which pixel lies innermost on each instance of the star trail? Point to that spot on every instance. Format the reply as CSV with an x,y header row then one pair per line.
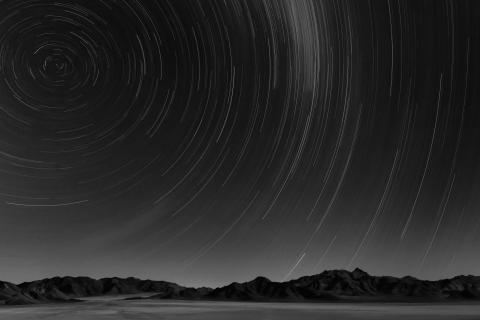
x,y
204,142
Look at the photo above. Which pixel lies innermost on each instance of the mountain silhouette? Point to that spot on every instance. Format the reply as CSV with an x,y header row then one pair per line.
x,y
333,285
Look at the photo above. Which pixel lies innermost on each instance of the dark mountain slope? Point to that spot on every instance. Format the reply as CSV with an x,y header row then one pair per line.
x,y
342,285
334,285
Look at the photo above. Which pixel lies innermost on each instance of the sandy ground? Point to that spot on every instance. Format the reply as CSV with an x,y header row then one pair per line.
x,y
178,310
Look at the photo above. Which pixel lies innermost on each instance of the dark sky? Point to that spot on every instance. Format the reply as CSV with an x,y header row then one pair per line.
x,y
205,142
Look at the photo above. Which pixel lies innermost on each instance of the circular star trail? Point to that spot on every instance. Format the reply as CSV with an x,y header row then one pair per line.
x,y
212,141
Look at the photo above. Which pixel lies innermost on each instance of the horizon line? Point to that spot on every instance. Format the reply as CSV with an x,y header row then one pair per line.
x,y
252,279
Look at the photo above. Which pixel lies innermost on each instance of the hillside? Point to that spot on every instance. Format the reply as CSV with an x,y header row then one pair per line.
x,y
334,285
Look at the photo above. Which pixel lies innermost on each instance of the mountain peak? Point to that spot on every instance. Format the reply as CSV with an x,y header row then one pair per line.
x,y
359,273
356,285
261,279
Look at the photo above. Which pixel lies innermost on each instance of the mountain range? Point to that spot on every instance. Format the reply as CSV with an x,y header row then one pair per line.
x,y
333,285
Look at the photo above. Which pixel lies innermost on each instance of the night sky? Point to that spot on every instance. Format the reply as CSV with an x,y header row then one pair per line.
x,y
209,141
